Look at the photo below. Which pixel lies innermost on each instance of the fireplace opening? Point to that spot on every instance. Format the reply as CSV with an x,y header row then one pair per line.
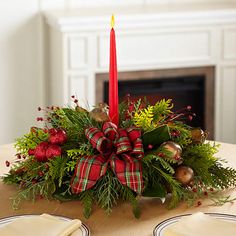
x,y
190,86
183,91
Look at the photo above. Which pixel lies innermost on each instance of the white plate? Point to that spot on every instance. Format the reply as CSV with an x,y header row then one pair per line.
x,y
161,227
82,231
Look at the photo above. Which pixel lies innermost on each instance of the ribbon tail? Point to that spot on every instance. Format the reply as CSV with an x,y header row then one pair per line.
x,y
129,173
87,172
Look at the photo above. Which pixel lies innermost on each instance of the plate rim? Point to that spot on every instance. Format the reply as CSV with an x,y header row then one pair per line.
x,y
188,214
60,216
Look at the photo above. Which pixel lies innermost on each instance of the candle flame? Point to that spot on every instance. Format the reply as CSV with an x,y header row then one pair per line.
x,y
112,21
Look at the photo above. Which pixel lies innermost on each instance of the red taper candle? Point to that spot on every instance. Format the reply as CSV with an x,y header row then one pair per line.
x,y
113,82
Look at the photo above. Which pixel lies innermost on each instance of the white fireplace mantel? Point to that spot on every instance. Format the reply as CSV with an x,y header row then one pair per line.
x,y
151,37
147,16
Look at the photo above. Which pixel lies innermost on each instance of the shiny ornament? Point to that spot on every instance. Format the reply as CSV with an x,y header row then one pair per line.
x,y
198,136
57,136
174,150
99,113
184,175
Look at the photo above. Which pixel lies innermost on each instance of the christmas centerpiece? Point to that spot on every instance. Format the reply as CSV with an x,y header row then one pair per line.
x,y
118,152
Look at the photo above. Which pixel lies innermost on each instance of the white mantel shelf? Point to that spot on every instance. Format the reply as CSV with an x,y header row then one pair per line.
x,y
153,16
148,38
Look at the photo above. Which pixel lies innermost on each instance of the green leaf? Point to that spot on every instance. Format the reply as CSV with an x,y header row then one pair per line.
x,y
155,191
156,136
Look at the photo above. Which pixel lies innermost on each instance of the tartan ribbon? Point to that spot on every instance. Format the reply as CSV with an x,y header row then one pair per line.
x,y
122,149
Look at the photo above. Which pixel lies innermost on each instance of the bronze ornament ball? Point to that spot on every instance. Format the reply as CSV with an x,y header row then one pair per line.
x,y
198,135
184,174
174,149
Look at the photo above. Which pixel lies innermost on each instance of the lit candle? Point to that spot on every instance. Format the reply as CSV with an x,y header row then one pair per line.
x,y
113,82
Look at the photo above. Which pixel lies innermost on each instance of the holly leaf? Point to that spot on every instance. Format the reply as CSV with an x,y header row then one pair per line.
x,y
157,136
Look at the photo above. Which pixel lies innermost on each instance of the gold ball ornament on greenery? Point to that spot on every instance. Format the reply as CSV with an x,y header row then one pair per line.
x,y
198,136
99,113
184,174
174,150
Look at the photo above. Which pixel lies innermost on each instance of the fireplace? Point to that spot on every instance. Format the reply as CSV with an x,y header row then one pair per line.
x,y
187,86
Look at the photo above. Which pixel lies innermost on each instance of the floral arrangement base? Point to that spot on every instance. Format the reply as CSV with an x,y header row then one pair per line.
x,y
82,155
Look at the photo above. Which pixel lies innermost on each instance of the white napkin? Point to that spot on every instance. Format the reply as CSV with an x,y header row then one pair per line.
x,y
42,225
200,224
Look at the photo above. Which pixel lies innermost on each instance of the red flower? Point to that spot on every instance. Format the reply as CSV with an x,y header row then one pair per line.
x,y
57,136
52,151
40,151
45,151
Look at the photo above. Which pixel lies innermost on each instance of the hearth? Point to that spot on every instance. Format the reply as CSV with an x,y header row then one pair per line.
x,y
187,86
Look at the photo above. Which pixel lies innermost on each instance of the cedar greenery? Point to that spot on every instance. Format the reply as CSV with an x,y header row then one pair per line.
x,y
51,179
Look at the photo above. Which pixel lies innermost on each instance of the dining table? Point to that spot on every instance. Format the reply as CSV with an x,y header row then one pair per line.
x,y
121,220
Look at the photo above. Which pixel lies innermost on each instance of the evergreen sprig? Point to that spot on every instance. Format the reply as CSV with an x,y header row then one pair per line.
x,y
30,140
162,109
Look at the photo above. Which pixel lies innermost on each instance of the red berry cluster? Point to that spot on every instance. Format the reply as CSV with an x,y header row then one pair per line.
x,y
131,106
75,100
51,148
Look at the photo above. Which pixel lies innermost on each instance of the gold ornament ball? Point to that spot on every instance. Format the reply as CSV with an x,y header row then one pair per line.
x,y
99,113
174,149
198,135
184,175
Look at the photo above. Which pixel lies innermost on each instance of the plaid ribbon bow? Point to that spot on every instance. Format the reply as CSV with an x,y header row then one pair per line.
x,y
122,149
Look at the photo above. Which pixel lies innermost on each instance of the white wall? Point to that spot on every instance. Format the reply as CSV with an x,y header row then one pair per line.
x,y
21,58
21,65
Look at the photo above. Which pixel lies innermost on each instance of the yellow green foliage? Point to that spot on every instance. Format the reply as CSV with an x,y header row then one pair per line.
x,y
144,119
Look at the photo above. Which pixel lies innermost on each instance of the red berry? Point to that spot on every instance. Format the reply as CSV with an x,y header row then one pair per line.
x,y
34,181
160,154
199,203
73,96
39,118
206,193
189,108
76,101
211,189
7,163
41,174
18,156
39,108
194,190
177,157
150,146
190,117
